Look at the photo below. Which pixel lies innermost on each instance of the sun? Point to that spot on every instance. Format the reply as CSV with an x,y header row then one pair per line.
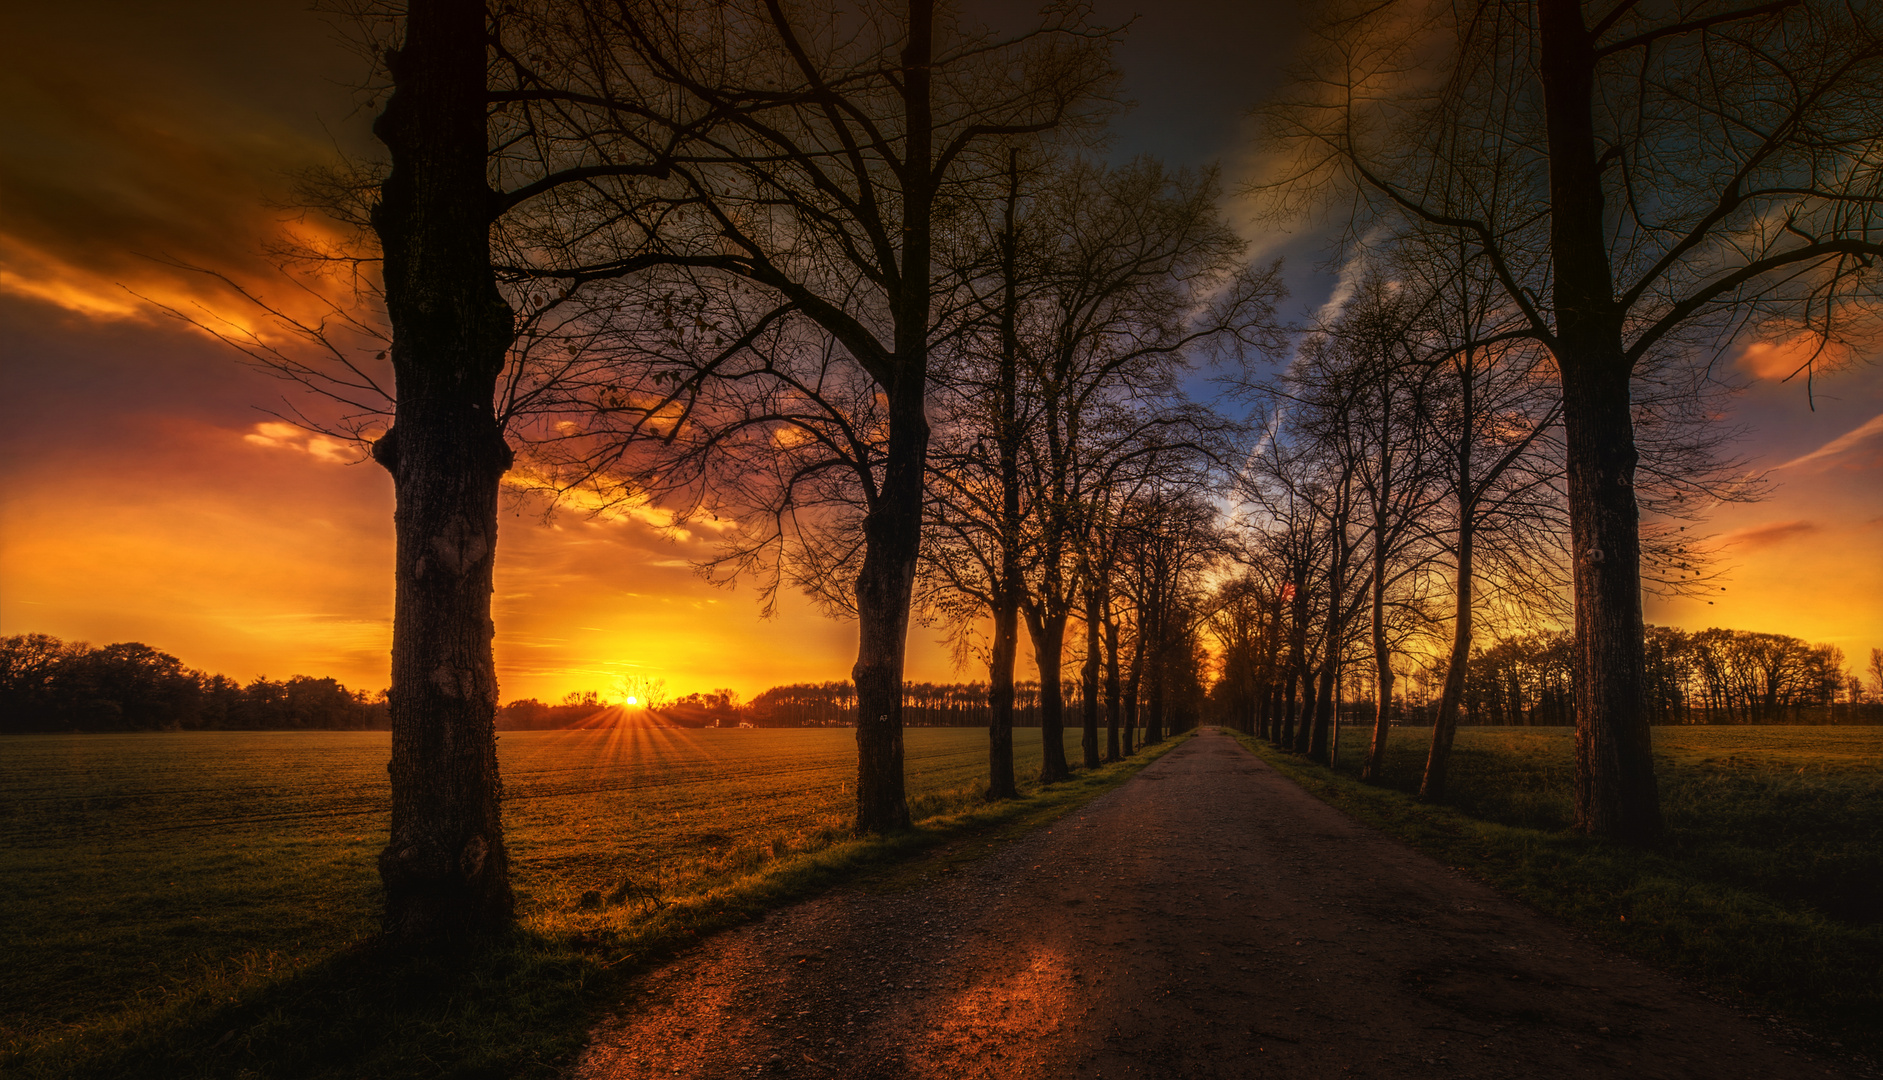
x,y
632,700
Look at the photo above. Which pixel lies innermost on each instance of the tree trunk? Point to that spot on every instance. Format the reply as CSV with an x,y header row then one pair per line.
x,y
1382,670
1285,730
1154,724
1049,642
884,588
445,869
1088,737
1294,731
1132,684
1616,795
1304,725
1112,711
1445,726
1324,707
1000,783
892,532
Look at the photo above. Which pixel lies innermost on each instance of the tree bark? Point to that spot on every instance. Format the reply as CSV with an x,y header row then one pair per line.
x,y
1616,795
1088,737
1000,783
1112,704
893,529
1382,681
1382,651
1154,724
1285,727
1445,726
884,588
445,869
1049,638
1129,743
1293,732
1304,724
1324,705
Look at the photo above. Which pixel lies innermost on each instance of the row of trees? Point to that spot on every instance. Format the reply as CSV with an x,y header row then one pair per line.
x,y
1711,676
51,685
1554,232
832,272
757,261
1743,677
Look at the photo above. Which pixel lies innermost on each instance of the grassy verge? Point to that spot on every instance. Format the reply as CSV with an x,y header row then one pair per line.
x,y
523,1006
1737,899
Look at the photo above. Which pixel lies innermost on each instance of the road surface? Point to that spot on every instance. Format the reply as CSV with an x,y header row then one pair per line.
x,y
1206,919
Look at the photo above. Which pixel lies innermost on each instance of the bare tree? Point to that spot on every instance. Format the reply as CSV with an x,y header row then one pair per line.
x,y
1128,274
1140,276
1639,177
446,870
813,153
975,543
1174,540
1492,412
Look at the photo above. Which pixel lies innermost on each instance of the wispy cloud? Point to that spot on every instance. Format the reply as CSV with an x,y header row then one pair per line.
x,y
1849,439
1758,536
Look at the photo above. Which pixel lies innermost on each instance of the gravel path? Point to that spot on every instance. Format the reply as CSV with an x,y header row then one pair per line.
x,y
1207,919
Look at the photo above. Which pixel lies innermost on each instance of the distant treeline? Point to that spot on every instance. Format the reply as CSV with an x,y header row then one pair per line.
x,y
1713,676
833,704
823,704
583,709
51,685
923,704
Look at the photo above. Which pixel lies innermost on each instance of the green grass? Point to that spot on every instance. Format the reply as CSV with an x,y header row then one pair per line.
x,y
203,904
1769,888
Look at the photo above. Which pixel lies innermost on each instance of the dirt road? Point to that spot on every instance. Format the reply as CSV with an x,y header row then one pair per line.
x,y
1207,919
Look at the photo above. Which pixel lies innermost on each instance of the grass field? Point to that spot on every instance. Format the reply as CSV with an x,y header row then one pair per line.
x,y
152,884
1769,889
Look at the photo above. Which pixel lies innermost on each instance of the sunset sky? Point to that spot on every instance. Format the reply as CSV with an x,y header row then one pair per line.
x,y
146,494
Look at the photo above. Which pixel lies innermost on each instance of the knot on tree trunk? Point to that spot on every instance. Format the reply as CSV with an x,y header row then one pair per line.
x,y
471,859
424,862
386,451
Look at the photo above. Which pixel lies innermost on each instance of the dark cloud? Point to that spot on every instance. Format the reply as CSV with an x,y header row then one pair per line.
x,y
140,130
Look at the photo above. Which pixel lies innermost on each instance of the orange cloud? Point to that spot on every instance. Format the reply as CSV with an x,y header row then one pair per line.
x,y
1760,536
1788,356
283,436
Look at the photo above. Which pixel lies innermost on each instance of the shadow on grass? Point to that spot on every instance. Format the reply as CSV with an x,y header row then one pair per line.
x,y
1673,908
520,1006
